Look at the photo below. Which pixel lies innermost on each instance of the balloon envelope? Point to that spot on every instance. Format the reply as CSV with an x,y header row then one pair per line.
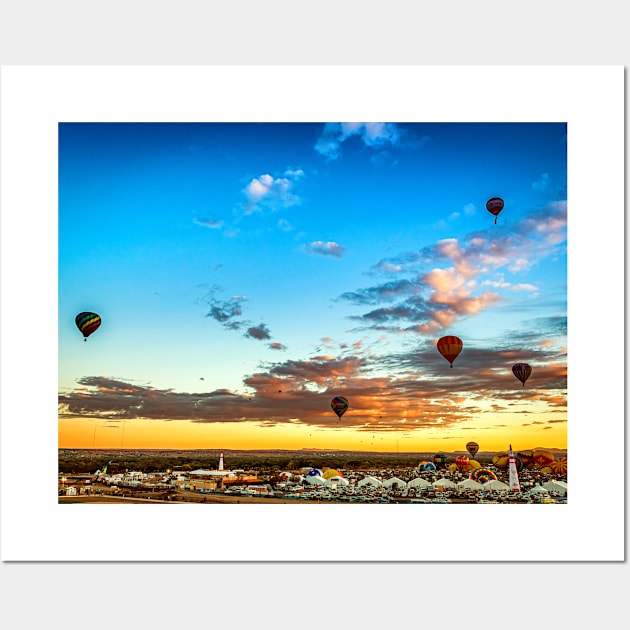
x,y
439,459
331,472
339,405
472,448
501,460
527,457
559,466
483,475
87,322
494,206
461,462
450,347
522,371
542,458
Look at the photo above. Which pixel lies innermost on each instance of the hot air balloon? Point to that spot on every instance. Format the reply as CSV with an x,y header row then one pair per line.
x,y
559,466
482,475
472,448
331,472
527,457
522,371
494,206
461,463
425,465
449,347
439,459
501,460
87,323
543,458
339,405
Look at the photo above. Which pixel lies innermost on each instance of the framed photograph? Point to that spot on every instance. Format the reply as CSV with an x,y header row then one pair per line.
x,y
284,313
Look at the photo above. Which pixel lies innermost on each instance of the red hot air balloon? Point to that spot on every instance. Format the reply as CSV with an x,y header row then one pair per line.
x,y
462,463
522,371
87,323
449,347
494,206
339,405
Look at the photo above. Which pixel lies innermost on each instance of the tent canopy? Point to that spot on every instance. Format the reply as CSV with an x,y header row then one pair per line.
x,y
418,482
315,480
556,486
538,489
340,481
388,483
444,483
495,484
470,484
370,481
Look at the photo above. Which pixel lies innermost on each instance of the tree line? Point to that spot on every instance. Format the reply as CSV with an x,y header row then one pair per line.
x,y
267,463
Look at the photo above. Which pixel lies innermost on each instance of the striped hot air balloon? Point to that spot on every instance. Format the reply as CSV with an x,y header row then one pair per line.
x,y
450,347
87,323
483,475
559,466
522,371
472,448
462,463
339,405
439,459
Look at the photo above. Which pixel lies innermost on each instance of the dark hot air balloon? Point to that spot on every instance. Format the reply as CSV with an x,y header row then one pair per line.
x,y
522,371
87,323
339,405
439,459
472,448
449,347
494,206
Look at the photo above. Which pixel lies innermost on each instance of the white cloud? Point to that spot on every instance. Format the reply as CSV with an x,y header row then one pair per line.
x,y
325,249
371,134
213,224
272,193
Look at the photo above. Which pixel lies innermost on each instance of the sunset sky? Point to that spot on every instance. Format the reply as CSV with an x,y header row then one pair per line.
x,y
247,273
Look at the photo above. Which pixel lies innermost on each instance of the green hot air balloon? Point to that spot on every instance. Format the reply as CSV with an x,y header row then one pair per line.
x,y
87,323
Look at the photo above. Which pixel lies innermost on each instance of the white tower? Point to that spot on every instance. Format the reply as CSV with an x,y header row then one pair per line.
x,y
221,461
515,486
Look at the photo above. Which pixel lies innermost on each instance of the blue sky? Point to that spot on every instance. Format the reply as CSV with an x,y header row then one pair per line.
x,y
232,262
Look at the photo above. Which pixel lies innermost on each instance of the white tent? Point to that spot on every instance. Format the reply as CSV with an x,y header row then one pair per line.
x,y
495,484
470,484
538,489
338,481
389,483
418,482
444,483
556,486
315,480
370,481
